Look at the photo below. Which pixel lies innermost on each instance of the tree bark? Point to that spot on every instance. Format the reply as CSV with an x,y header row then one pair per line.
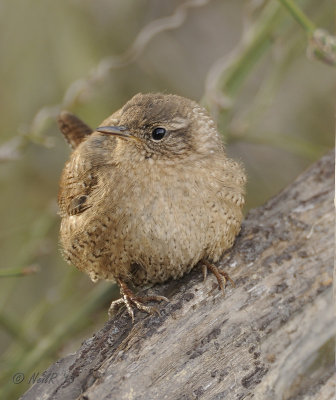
x,y
270,337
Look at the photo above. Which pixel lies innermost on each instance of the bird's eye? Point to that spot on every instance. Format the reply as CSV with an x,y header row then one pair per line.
x,y
158,133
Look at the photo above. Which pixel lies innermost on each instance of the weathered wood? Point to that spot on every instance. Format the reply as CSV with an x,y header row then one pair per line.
x,y
327,391
268,338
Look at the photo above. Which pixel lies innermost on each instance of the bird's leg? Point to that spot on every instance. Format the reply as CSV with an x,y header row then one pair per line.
x,y
222,276
131,300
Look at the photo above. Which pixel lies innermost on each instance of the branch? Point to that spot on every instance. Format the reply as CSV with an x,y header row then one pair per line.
x,y
299,15
321,45
228,73
271,337
18,271
80,88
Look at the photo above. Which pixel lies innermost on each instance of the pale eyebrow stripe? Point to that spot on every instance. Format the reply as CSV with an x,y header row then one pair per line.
x,y
179,123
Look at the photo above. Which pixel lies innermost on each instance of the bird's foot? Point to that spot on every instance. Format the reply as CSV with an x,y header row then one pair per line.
x,y
222,276
131,300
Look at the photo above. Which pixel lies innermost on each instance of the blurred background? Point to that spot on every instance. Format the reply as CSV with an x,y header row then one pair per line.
x,y
246,61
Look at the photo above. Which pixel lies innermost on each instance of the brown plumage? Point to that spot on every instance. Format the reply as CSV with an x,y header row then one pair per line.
x,y
148,195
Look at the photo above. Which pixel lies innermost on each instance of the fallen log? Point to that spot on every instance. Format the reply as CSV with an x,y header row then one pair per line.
x,y
270,337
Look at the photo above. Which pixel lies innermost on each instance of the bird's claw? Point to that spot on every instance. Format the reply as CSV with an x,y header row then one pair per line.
x,y
221,276
131,300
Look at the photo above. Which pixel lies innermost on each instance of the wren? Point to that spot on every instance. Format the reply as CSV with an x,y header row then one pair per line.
x,y
148,195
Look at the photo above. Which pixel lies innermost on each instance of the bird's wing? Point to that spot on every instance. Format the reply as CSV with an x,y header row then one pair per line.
x,y
77,185
79,180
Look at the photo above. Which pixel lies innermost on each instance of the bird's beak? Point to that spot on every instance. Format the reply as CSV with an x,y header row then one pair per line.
x,y
120,131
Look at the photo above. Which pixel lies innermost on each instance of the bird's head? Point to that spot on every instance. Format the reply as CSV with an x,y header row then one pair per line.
x,y
162,127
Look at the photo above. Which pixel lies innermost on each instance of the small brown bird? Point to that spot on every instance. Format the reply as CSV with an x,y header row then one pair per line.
x,y
148,195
